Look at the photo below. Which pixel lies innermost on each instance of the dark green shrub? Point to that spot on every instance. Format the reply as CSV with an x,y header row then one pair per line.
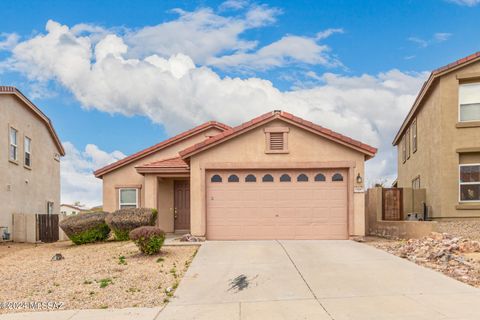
x,y
86,227
148,239
125,220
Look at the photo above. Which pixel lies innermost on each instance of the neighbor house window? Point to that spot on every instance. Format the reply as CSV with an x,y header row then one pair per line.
x,y
276,140
414,135
128,198
49,207
27,147
416,183
469,182
469,102
404,149
13,144
407,136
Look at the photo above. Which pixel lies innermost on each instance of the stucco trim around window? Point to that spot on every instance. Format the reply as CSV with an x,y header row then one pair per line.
x,y
474,185
27,152
468,124
414,136
468,101
125,203
12,144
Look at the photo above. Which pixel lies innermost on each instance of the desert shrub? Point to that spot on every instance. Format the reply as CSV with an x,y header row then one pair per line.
x,y
148,239
125,220
86,227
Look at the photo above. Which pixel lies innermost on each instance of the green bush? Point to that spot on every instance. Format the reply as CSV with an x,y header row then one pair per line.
x,y
148,239
125,220
86,227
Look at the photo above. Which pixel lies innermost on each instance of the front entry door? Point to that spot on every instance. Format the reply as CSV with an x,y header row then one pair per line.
x,y
182,204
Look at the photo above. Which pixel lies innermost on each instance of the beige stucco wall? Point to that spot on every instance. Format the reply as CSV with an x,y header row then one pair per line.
x,y
25,190
303,146
152,189
436,159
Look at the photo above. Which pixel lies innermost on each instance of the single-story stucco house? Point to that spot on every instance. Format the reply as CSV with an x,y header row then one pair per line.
x,y
274,177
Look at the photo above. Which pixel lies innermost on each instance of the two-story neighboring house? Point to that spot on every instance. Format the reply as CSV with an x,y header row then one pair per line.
x,y
29,160
438,143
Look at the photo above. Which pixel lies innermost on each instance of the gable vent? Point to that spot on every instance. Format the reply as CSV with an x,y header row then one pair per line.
x,y
276,141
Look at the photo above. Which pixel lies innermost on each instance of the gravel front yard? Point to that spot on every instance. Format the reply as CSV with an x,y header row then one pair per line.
x,y
452,255
103,275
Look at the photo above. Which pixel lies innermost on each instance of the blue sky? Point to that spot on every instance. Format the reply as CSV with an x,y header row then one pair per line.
x,y
353,66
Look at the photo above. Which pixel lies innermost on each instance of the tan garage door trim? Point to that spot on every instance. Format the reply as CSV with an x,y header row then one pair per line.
x,y
347,165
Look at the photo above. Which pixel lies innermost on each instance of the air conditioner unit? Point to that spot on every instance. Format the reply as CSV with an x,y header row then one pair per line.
x,y
415,216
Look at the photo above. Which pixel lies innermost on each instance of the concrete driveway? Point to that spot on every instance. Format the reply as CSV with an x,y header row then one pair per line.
x,y
314,280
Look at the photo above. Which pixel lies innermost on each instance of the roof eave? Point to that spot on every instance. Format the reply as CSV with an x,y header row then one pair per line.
x,y
427,86
185,154
40,114
112,167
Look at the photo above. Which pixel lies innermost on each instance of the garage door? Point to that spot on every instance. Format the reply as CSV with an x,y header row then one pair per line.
x,y
277,204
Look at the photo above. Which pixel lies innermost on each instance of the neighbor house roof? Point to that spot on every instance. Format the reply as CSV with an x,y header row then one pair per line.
x,y
143,153
437,73
73,207
37,112
175,164
285,116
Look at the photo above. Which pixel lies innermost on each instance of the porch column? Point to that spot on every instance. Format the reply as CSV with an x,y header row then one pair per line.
x,y
151,185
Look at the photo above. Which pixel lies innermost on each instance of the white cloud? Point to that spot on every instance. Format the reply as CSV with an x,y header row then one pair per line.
x,y
327,33
233,5
442,36
436,38
175,92
287,50
200,34
78,181
9,40
468,3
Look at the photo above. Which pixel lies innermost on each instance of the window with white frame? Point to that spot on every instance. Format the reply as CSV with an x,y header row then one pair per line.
x,y
414,135
49,207
13,144
416,183
469,183
128,198
469,102
27,152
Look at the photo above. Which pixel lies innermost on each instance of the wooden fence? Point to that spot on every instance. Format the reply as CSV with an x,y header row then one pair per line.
x,y
47,227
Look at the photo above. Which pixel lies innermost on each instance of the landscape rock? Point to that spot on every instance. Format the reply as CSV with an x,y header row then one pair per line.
x,y
440,251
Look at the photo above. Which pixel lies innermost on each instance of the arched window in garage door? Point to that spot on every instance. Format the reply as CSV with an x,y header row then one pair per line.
x,y
302,178
337,177
216,178
233,178
250,178
320,177
267,178
285,178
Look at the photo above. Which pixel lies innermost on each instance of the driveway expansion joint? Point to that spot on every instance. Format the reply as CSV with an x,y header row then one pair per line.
x,y
303,279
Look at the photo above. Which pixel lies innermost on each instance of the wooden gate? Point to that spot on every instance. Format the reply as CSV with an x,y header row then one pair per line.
x,y
47,227
392,204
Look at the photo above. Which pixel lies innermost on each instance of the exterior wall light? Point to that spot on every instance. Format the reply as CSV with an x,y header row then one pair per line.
x,y
359,179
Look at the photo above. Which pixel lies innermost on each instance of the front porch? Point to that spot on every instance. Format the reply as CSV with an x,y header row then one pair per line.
x,y
167,188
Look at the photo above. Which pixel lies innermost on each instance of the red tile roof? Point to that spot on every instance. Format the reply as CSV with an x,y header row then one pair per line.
x,y
37,112
427,85
159,146
175,162
267,117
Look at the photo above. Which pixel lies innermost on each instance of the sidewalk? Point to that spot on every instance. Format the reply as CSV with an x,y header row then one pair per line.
x,y
98,314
